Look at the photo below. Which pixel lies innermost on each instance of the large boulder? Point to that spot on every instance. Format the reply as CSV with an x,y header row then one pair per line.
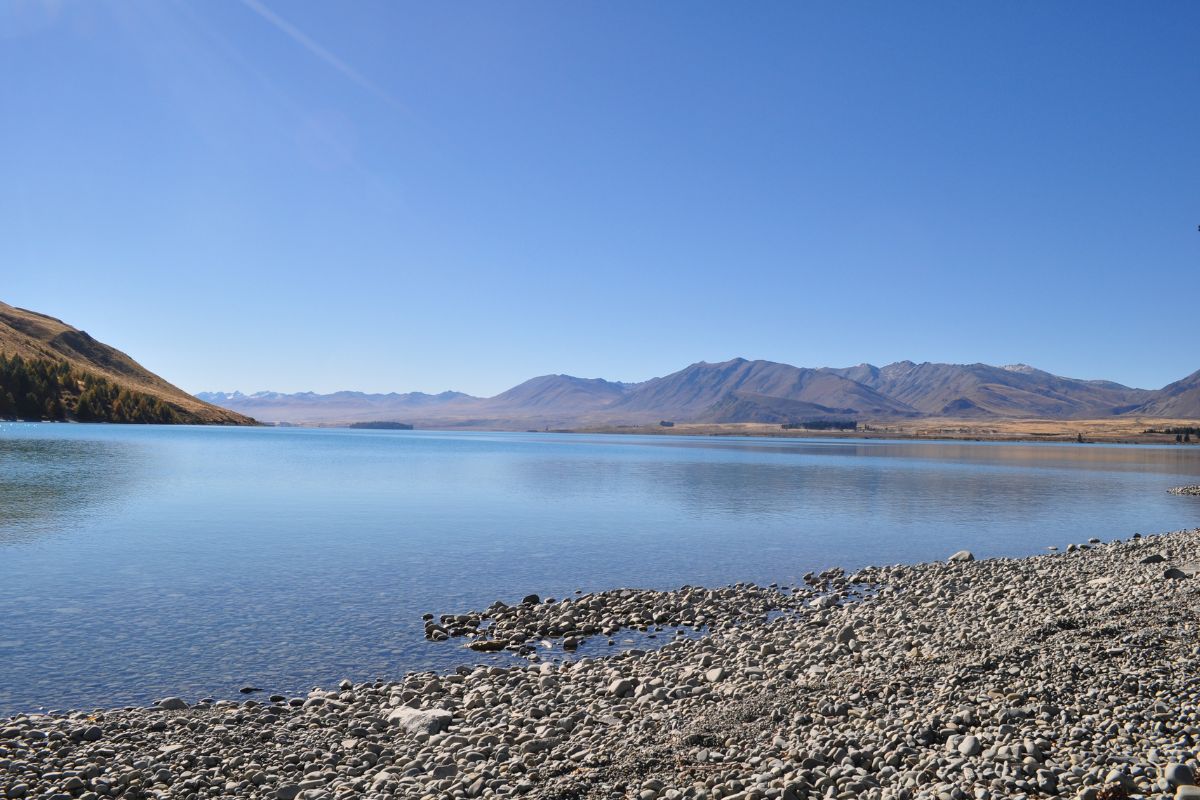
x,y
416,720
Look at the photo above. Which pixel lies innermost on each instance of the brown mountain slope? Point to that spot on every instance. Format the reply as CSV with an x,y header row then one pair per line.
x,y
691,392
747,407
1180,400
35,336
985,390
565,394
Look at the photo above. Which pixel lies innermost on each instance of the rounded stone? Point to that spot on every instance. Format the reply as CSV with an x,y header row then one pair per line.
x,y
1179,775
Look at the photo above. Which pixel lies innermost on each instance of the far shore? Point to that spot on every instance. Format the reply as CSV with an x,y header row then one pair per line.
x,y
1105,431
1094,431
1112,430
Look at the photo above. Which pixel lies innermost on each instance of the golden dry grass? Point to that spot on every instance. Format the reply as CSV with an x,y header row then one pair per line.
x,y
1110,429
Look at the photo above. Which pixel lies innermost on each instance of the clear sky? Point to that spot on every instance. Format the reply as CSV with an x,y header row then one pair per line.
x,y
258,194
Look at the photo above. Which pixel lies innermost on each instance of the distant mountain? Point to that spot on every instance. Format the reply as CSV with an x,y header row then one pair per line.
x,y
1179,400
309,408
744,391
983,390
548,400
59,372
695,392
267,398
562,394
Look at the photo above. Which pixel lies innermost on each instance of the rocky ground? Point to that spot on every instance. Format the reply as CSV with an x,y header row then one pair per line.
x,y
1074,674
1184,490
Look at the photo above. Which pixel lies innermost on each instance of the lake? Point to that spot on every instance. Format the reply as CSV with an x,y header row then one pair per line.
x,y
138,562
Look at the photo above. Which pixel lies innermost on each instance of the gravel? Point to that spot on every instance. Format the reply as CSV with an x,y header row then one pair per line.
x,y
1072,674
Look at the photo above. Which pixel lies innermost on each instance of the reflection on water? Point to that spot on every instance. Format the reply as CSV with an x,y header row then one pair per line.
x,y
138,562
1182,460
45,484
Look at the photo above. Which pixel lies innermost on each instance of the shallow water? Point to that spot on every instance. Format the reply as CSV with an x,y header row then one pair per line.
x,y
142,561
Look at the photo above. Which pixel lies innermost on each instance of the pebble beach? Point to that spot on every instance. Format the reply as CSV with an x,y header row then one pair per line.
x,y
1071,674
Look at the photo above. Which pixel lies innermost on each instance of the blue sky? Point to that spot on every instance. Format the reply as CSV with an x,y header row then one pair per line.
x,y
400,196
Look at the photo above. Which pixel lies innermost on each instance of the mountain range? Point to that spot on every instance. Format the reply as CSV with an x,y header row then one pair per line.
x,y
51,370
744,391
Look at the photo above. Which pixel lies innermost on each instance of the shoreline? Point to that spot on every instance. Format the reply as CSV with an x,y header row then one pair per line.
x,y
930,430
1047,431
1066,674
1061,432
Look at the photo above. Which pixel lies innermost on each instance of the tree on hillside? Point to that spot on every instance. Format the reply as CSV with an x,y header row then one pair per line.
x,y
37,389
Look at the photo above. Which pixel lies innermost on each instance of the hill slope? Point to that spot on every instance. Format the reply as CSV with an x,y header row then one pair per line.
x,y
1179,400
36,337
748,407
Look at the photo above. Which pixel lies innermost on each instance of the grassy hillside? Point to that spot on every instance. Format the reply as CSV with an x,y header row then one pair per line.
x,y
50,370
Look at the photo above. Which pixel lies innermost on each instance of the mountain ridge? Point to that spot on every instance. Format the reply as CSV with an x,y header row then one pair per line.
x,y
1178,399
744,390
1018,390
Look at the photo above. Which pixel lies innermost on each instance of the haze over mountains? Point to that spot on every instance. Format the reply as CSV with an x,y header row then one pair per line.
x,y
743,391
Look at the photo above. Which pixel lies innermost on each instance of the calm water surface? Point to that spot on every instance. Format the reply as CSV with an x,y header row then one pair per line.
x,y
138,562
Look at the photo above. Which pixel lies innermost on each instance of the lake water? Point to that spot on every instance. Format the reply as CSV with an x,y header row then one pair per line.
x,y
140,562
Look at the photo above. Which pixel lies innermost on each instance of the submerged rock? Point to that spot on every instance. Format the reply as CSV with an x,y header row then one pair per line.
x,y
487,645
